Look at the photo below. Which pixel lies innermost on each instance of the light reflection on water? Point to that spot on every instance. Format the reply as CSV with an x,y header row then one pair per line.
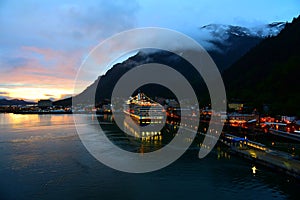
x,y
43,158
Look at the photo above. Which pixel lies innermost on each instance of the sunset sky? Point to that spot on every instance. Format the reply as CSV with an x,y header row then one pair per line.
x,y
43,43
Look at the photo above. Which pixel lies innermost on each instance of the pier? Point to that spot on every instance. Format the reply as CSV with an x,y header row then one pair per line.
x,y
293,136
259,153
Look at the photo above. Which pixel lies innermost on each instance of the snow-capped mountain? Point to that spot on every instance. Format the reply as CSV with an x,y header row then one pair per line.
x,y
267,30
227,43
221,31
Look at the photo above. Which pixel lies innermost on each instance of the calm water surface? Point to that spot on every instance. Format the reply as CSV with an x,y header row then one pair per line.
x,y
41,157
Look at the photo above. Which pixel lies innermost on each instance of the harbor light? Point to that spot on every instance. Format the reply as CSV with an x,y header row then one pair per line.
x,y
254,169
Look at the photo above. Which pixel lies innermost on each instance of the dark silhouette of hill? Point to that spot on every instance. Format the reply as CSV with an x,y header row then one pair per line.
x,y
231,50
107,82
269,73
239,45
63,102
6,102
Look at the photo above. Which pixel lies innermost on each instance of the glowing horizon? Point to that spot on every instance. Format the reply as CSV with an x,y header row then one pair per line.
x,y
35,94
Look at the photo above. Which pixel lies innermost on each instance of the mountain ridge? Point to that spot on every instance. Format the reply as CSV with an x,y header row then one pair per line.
x,y
11,102
227,43
264,30
268,73
242,43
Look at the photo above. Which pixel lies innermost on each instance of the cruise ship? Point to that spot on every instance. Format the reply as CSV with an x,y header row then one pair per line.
x,y
144,110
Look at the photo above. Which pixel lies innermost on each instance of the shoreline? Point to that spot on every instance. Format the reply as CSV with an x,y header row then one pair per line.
x,y
276,160
55,112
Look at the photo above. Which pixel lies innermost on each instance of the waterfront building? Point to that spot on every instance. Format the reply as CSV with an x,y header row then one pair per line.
x,y
44,103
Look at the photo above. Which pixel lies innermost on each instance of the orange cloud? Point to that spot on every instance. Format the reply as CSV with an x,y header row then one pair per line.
x,y
53,72
35,93
46,71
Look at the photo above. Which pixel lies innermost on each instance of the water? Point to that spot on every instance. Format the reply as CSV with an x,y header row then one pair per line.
x,y
41,157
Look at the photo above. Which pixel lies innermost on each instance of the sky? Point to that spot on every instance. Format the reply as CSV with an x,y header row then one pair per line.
x,y
43,43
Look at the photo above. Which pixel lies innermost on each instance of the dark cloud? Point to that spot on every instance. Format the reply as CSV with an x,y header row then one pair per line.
x,y
3,93
49,95
10,62
63,25
100,18
53,97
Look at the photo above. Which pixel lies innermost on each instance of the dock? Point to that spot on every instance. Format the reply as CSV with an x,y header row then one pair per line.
x,y
259,153
293,136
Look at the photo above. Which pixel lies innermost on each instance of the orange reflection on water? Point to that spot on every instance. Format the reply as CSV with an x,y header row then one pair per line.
x,y
17,120
29,120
